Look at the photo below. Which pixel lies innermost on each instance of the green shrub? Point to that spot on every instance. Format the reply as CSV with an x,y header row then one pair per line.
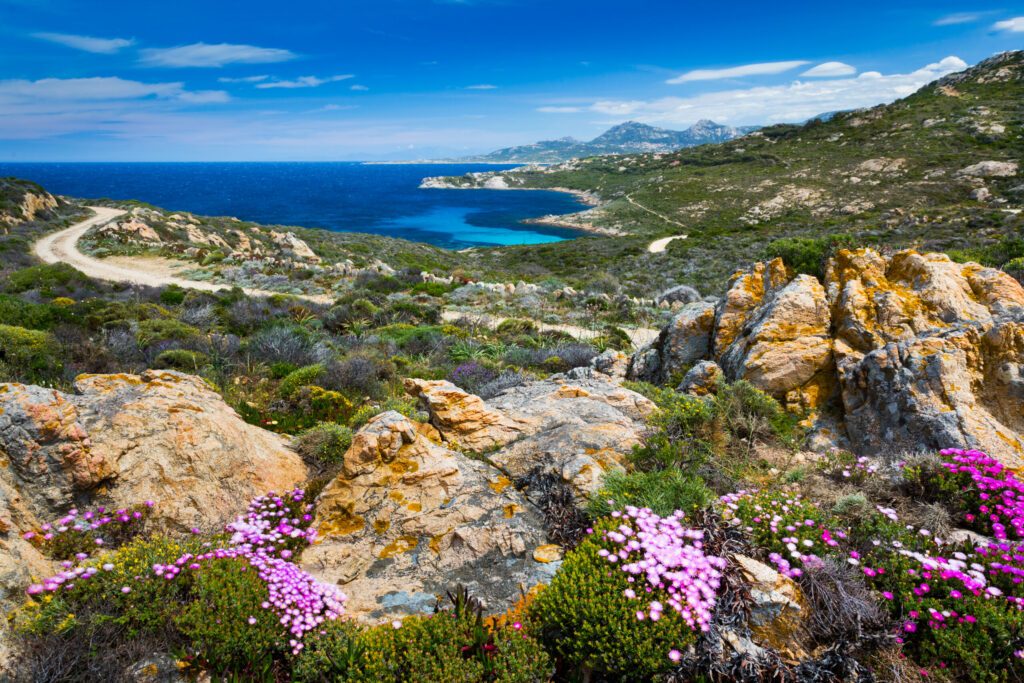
x,y
406,405
297,379
324,444
156,330
585,618
664,492
513,327
181,359
14,311
172,295
228,630
49,280
684,433
807,254
444,647
29,353
749,413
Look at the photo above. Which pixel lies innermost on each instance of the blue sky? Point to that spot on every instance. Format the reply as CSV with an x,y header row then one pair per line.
x,y
400,79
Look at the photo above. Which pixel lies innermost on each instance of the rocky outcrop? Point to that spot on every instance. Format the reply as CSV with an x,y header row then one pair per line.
x,y
684,341
408,519
907,352
122,439
575,429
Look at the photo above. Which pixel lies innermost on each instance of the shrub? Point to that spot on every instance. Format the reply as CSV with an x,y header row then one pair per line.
x,y
47,279
471,376
157,330
172,295
514,327
358,376
406,405
29,353
284,344
600,624
683,433
807,254
501,383
181,359
663,492
296,379
324,444
14,311
749,413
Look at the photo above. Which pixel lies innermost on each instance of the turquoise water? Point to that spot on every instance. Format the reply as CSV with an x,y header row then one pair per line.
x,y
382,199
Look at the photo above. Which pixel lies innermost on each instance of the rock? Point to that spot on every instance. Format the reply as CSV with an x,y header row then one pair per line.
x,y
610,364
989,169
550,552
786,344
574,429
776,610
680,294
686,340
122,439
702,379
747,290
407,519
157,668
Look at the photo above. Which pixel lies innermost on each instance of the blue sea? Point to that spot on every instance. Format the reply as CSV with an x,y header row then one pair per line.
x,y
383,199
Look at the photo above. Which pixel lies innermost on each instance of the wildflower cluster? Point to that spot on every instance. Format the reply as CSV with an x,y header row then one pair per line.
x,y
991,494
670,559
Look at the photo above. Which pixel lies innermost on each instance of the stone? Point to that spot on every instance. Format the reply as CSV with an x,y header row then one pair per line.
x,y
787,343
680,294
776,610
123,439
686,340
746,291
408,519
702,379
989,169
576,429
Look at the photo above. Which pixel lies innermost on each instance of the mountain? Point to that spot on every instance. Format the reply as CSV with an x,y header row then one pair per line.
x,y
630,137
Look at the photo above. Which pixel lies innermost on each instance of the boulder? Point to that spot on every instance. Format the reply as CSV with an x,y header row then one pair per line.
x,y
786,343
702,379
408,519
989,169
680,294
575,429
122,439
746,291
686,340
776,610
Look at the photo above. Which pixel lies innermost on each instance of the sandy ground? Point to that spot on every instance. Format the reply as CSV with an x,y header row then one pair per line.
x,y
153,272
658,246
638,335
159,272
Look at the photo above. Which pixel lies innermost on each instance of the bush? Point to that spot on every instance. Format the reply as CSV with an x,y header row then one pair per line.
x,y
181,359
358,376
663,492
807,254
286,344
49,280
324,444
172,295
296,379
585,618
503,382
157,330
449,646
14,311
406,405
514,327
683,433
471,376
30,354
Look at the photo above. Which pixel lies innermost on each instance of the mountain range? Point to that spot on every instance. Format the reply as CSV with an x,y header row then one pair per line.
x,y
630,137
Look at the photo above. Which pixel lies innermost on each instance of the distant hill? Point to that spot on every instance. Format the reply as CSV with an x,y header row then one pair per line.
x,y
626,138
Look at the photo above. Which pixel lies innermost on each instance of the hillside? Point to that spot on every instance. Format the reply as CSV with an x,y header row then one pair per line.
x,y
22,201
626,138
938,170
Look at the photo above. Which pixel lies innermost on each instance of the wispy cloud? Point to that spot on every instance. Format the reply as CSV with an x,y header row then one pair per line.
x,y
305,82
795,101
560,110
481,86
1014,25
213,55
103,46
101,88
359,88
957,18
243,79
759,69
830,69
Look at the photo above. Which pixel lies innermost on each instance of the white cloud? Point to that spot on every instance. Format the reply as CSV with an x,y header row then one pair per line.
x,y
795,101
100,88
830,69
305,82
957,18
559,110
1015,25
207,55
243,79
760,69
103,46
481,86
359,88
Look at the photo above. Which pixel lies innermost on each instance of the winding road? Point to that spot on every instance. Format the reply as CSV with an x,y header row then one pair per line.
x,y
62,247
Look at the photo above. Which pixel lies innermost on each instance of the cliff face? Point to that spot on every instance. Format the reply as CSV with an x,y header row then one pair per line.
x,y
22,201
892,353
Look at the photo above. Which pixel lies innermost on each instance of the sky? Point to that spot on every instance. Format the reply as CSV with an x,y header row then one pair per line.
x,y
220,80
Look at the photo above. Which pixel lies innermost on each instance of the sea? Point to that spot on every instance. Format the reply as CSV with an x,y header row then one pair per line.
x,y
383,199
